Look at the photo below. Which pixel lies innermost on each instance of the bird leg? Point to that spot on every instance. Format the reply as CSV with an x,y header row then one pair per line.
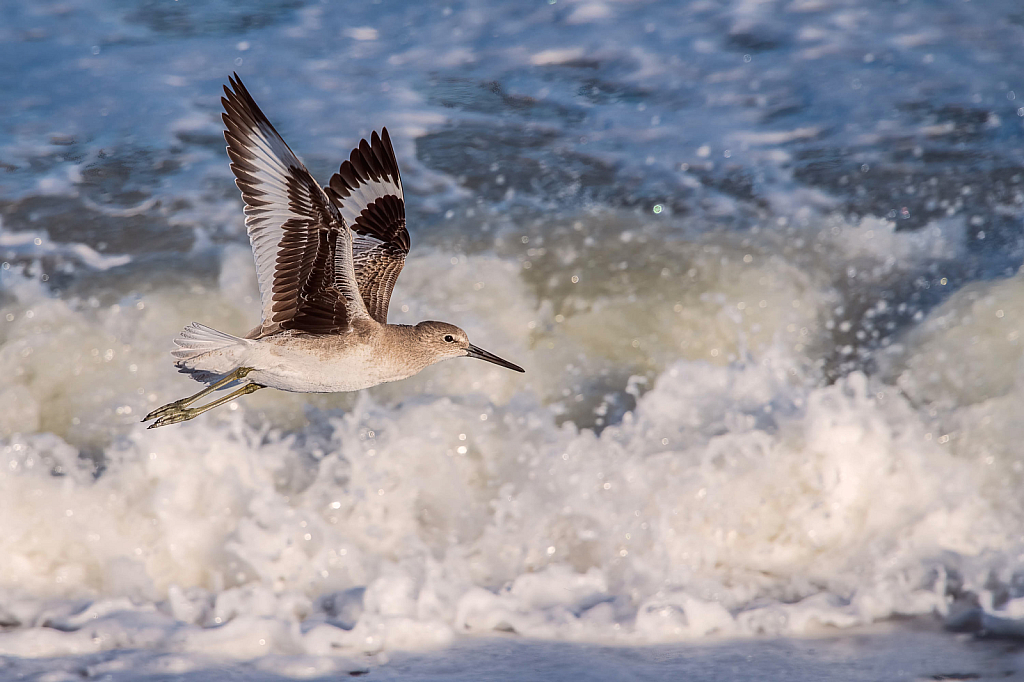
x,y
182,414
178,411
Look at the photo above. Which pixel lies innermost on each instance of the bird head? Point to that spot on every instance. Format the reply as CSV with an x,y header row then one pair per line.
x,y
444,341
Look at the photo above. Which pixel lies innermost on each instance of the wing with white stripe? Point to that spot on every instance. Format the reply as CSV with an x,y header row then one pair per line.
x,y
367,191
303,251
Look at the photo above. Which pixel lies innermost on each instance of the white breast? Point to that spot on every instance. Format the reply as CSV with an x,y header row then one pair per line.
x,y
301,365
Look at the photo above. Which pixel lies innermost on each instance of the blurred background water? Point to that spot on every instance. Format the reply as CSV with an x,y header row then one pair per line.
x,y
759,258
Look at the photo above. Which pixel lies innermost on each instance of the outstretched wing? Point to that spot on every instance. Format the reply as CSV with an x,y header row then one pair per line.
x,y
367,191
302,248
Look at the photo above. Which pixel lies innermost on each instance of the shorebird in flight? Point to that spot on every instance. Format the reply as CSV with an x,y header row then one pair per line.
x,y
326,260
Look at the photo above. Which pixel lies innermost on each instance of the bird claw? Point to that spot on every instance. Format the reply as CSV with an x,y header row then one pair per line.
x,y
169,407
165,418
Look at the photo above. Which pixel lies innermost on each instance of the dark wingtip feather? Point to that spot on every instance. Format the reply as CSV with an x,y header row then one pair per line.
x,y
239,104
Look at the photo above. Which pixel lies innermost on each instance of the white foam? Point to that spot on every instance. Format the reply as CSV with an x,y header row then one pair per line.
x,y
739,497
34,245
556,56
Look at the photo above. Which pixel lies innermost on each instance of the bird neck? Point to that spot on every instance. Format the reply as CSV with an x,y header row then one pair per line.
x,y
403,345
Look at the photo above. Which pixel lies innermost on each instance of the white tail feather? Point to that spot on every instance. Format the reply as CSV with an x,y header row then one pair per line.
x,y
208,350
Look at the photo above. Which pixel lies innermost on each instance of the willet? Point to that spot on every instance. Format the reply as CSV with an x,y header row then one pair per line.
x,y
326,261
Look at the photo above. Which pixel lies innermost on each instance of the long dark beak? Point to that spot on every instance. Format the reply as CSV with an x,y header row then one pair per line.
x,y
475,352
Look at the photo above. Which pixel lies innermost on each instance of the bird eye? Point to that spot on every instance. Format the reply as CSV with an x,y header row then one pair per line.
x,y
449,338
